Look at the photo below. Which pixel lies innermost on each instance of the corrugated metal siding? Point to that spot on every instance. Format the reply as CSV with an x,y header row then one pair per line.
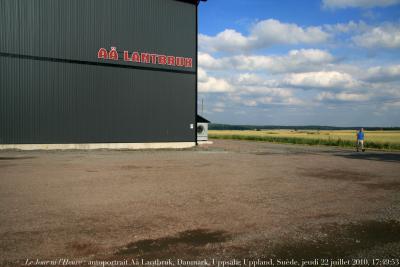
x,y
58,102
76,29
50,102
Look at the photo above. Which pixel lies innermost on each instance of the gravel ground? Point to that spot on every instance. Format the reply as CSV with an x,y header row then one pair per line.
x,y
230,200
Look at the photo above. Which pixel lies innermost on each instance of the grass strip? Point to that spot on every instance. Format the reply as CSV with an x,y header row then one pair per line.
x,y
308,141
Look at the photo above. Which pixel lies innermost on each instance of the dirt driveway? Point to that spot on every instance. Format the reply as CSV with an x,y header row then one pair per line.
x,y
227,201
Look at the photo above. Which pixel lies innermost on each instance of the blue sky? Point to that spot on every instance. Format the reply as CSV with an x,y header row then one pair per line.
x,y
292,62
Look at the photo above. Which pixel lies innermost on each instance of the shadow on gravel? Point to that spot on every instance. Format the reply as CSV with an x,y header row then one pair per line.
x,y
384,186
287,152
15,158
188,242
337,174
362,178
330,241
83,248
337,241
388,157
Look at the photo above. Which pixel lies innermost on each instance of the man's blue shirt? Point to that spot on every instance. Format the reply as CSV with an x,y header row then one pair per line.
x,y
360,136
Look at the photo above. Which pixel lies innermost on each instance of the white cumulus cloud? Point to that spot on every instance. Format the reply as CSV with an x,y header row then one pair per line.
x,y
342,97
336,4
321,79
207,61
384,36
294,61
348,27
263,34
210,84
383,74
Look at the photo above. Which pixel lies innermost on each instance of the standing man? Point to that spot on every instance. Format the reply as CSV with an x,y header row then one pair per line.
x,y
360,140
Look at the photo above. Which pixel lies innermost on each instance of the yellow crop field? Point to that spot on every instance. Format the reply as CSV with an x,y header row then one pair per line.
x,y
373,139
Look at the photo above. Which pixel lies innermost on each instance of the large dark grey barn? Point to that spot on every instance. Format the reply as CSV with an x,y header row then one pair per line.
x,y
98,73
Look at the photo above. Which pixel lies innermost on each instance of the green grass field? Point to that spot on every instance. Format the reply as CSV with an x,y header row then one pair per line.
x,y
388,140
